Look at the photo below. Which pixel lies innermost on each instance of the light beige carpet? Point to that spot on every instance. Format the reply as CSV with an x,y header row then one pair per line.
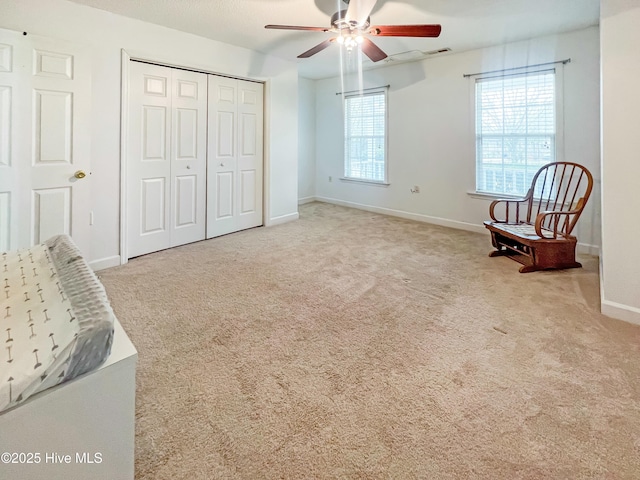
x,y
360,346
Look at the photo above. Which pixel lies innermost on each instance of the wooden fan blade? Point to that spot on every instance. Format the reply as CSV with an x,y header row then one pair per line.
x,y
405,30
317,48
297,27
359,11
371,50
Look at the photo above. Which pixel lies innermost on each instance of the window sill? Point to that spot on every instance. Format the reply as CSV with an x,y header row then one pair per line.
x,y
367,182
492,196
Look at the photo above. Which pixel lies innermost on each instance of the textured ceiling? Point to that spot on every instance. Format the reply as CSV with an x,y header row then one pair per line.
x,y
466,24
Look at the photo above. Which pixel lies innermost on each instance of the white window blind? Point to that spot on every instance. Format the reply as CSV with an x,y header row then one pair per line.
x,y
515,130
365,127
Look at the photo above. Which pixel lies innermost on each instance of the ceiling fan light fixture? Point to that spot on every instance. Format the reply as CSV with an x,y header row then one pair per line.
x,y
350,41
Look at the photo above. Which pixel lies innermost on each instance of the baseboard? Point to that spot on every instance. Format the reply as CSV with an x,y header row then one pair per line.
x,y
583,248
614,309
620,311
587,249
290,217
302,201
443,222
103,263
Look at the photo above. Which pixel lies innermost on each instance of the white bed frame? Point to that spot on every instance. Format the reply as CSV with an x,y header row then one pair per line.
x,y
81,429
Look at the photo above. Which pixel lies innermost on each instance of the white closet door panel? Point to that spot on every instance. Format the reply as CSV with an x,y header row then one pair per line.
x,y
248,186
235,155
224,92
186,195
250,158
148,159
189,157
45,95
156,85
187,134
250,94
225,204
167,156
248,134
189,89
154,192
225,135
154,133
222,156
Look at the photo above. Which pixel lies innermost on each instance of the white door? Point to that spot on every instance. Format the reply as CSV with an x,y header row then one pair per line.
x,y
166,160
235,159
45,95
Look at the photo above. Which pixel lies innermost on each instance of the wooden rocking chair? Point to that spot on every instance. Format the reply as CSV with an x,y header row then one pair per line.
x,y
536,230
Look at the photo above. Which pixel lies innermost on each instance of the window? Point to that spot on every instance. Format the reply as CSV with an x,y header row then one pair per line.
x,y
516,130
365,136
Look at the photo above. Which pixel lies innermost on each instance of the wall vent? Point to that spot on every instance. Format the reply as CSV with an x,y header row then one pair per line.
x,y
436,52
405,56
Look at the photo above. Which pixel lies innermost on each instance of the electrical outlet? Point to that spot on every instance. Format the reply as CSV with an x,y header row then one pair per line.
x,y
415,189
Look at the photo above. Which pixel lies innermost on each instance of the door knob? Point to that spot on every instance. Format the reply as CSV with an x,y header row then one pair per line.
x,y
222,164
79,174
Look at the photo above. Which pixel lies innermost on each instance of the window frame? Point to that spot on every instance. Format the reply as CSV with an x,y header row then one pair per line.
x,y
346,97
559,124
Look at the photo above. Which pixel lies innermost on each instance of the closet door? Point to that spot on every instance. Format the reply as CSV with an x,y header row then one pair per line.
x,y
148,159
188,157
250,154
235,158
166,161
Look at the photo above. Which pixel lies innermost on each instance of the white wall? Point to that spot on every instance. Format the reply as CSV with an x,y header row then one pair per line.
x,y
106,34
620,261
431,131
306,139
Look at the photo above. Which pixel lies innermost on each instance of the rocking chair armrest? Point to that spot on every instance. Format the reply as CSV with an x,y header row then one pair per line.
x,y
508,201
559,227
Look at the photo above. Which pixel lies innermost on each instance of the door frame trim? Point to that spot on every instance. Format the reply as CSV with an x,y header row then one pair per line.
x,y
124,143
126,57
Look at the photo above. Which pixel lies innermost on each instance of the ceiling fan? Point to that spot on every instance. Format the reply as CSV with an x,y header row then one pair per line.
x,y
354,24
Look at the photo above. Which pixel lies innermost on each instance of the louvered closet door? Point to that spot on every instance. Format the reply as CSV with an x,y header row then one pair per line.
x,y
166,161
235,156
45,96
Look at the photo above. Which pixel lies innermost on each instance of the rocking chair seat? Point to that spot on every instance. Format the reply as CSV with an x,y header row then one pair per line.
x,y
522,230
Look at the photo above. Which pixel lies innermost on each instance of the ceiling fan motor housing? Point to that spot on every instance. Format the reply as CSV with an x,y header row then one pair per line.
x,y
339,22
